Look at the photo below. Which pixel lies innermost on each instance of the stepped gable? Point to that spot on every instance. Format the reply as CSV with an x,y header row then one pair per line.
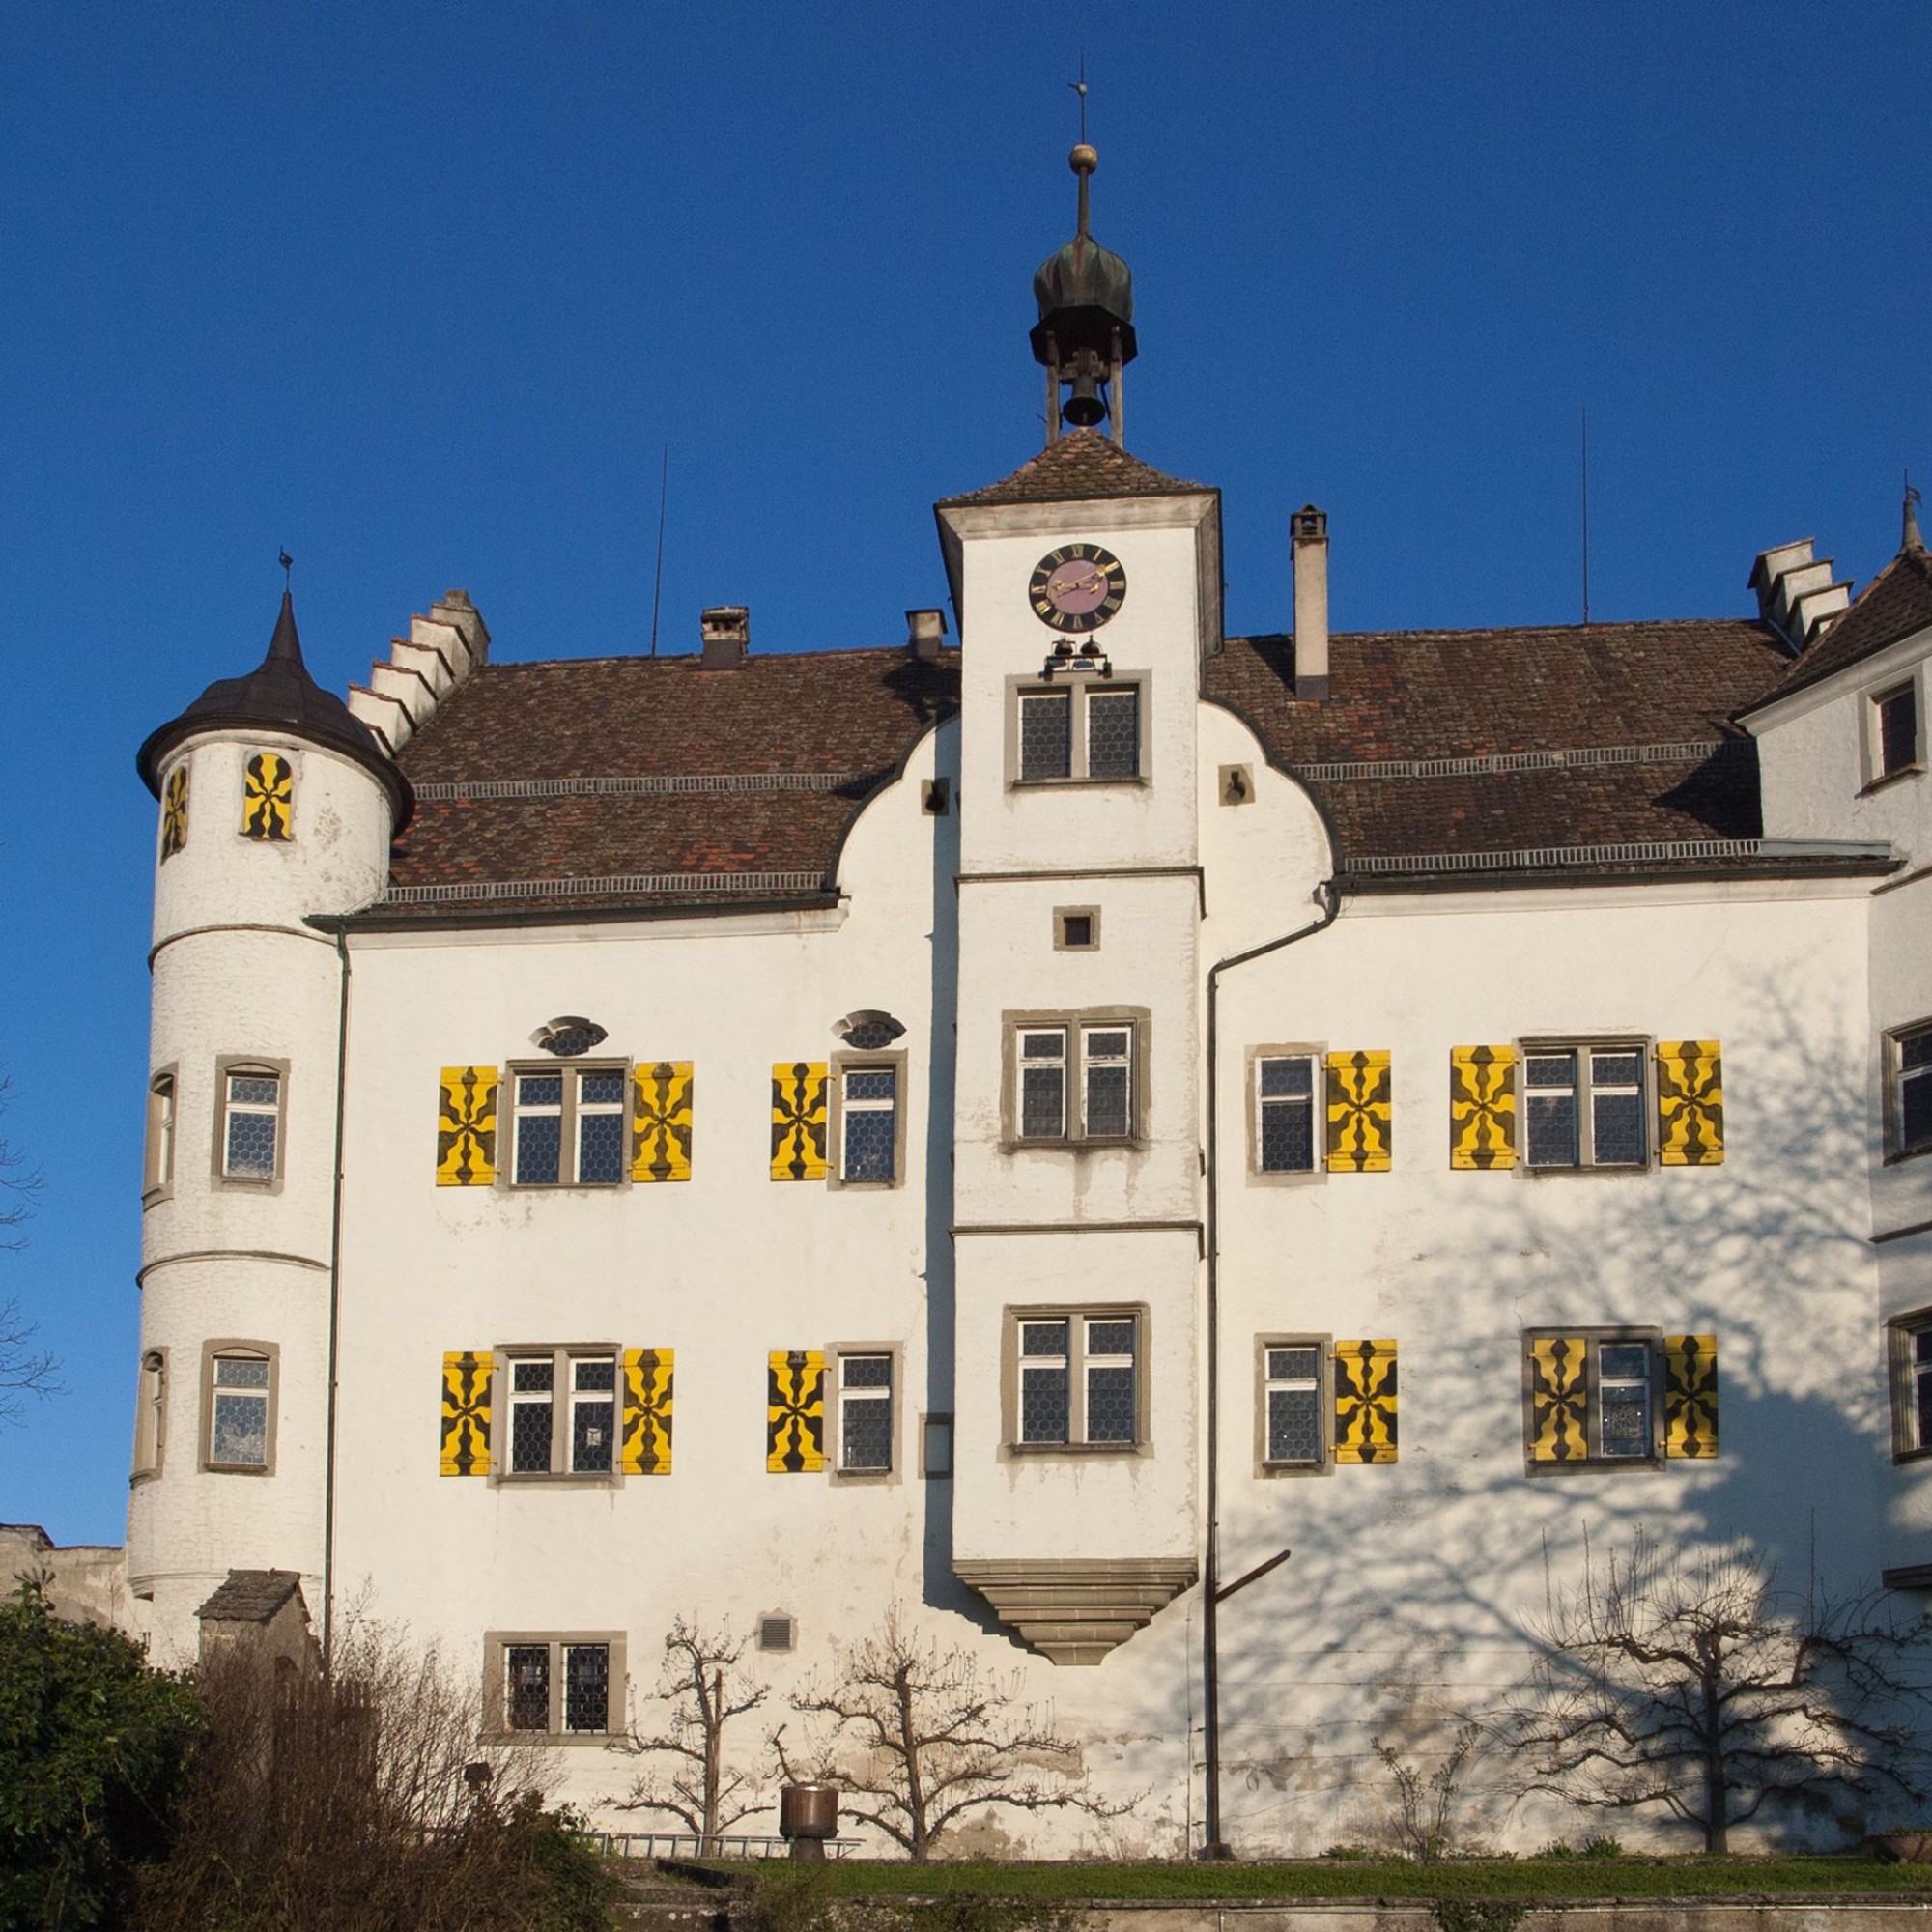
x,y
1082,467
1895,603
741,738
1443,695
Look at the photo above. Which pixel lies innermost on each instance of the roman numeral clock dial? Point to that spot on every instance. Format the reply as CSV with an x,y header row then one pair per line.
x,y
1077,587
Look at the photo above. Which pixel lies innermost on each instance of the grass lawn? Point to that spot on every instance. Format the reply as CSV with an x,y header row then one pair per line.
x,y
1337,1878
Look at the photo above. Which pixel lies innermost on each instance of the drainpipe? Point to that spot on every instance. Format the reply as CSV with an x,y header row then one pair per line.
x,y
1212,1592
334,1311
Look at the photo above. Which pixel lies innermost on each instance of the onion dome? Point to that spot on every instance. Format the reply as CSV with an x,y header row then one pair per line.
x,y
1085,293
278,696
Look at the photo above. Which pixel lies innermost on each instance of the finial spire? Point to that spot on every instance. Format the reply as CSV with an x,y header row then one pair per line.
x,y
1911,540
287,565
1084,159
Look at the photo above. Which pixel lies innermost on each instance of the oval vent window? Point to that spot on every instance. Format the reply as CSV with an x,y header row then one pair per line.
x,y
868,1031
568,1036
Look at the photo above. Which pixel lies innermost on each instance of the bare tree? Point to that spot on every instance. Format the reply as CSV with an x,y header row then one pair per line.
x,y
24,1370
922,1736
1425,1803
1697,1689
704,1689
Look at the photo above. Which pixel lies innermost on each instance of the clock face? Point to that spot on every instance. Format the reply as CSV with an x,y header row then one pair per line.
x,y
1077,587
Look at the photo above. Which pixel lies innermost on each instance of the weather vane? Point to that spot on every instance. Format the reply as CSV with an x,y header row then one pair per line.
x,y
287,565
1080,88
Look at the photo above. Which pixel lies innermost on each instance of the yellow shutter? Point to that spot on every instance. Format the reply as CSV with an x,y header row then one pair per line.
x,y
1482,1106
466,1414
466,1127
1689,1103
1365,1402
1690,1396
174,811
661,1121
268,798
1358,1124
1558,1399
647,1413
798,1121
795,1411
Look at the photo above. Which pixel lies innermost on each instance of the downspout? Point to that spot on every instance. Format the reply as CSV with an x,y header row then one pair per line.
x,y
334,1312
1215,1846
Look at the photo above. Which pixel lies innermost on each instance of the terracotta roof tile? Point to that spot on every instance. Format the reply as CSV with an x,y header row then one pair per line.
x,y
1082,467
1895,603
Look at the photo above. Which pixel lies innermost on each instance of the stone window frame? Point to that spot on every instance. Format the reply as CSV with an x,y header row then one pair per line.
x,y
1595,1336
1908,683
851,1061
496,1661
1583,1045
561,1354
151,1415
1063,942
835,1353
1903,1376
1077,1023
1897,1148
1032,684
161,1140
571,1072
1076,1314
245,1347
1316,1054
1323,1463
262,1066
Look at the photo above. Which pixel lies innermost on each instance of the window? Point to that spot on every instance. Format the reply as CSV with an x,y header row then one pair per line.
x,y
868,1107
571,1126
936,1447
238,1408
1584,1105
1283,1085
1090,732
1292,1407
1077,1380
1076,1079
1076,928
151,1412
558,1688
866,1414
1908,1095
1894,721
564,1414
159,1162
1593,1398
251,1121
1911,1339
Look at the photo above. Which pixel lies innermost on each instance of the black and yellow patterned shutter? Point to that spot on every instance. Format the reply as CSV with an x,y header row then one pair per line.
x,y
1560,1398
174,811
268,798
466,1127
795,1411
661,1121
1689,1103
1482,1106
466,1414
798,1120
1365,1402
647,1413
1690,1396
1358,1123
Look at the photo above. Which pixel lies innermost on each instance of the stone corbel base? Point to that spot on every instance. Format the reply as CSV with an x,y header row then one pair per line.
x,y
1076,1610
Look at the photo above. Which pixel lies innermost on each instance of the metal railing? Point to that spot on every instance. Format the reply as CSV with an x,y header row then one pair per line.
x,y
689,1845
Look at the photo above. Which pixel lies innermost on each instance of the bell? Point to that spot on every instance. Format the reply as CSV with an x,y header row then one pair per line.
x,y
1084,407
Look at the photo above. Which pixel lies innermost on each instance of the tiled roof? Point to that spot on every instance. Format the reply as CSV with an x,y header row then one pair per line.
x,y
827,728
1467,694
1895,603
1082,467
251,1597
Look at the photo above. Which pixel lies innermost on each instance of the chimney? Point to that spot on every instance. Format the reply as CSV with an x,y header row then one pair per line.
x,y
923,631
727,629
1308,531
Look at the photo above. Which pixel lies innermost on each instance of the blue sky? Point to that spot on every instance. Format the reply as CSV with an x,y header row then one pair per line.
x,y
422,293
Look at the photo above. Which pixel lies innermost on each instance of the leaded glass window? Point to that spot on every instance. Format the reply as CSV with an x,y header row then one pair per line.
x,y
587,1686
526,1687
1294,1395
868,1112
1110,1380
572,1123
1285,1114
593,1414
533,1411
1552,1080
1107,1066
238,1432
1046,735
1114,734
1078,1378
601,1127
539,1128
564,1414
1623,1398
1584,1107
252,1108
865,1413
1044,1381
1043,1083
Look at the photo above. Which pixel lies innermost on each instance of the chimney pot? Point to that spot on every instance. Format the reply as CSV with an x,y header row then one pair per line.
x,y
1308,549
727,631
925,629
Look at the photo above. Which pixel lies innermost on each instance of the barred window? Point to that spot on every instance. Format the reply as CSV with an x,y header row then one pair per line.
x,y
572,1126
1284,1124
1585,1106
555,1687
866,1414
580,1390
1077,1378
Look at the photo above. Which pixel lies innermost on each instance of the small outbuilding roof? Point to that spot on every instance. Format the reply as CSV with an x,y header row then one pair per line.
x,y
252,1597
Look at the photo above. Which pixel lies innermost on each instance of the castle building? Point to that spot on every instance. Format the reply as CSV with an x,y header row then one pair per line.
x,y
1027,1131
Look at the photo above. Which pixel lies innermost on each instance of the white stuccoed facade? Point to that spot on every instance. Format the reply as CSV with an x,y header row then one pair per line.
x,y
1075,1568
